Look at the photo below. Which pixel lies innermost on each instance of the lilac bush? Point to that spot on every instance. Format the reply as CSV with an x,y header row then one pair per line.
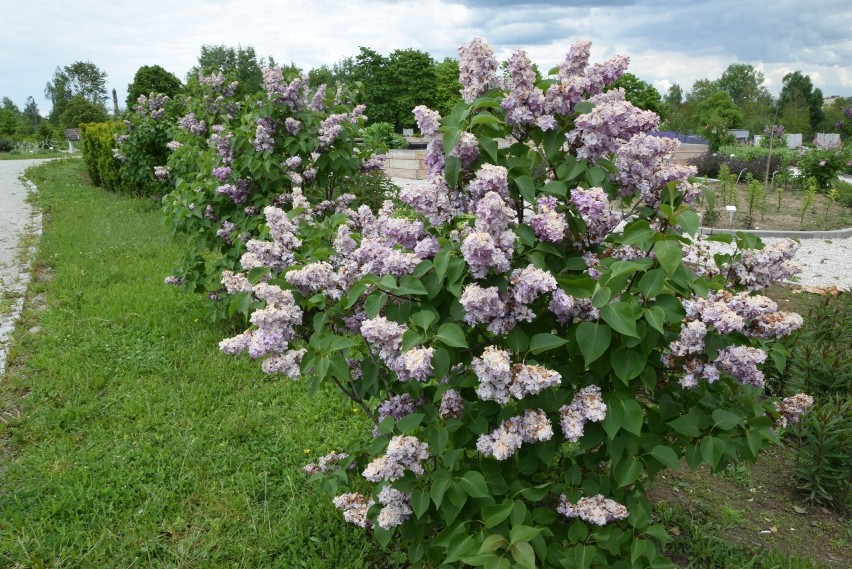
x,y
230,159
527,358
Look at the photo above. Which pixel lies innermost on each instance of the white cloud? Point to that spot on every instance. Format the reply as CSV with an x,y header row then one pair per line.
x,y
668,41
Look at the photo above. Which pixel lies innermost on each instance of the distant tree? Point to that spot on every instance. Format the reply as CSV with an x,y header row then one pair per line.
x,y
798,94
321,75
9,105
412,82
674,96
31,112
80,79
743,83
80,110
447,86
641,93
152,79
241,63
715,115
371,70
701,89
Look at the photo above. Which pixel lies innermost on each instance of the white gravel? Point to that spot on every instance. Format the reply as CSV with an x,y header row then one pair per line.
x,y
824,262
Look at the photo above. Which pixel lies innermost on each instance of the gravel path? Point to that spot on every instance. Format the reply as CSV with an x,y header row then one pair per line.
x,y
825,262
17,220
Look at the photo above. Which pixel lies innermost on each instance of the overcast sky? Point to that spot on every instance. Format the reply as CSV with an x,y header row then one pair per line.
x,y
668,41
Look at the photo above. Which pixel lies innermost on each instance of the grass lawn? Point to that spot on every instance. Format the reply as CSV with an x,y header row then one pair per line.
x,y
126,438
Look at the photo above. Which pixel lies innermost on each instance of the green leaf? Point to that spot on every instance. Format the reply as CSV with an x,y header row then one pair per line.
x,y
667,456
441,262
517,340
409,423
545,342
411,285
638,233
485,118
474,484
584,556
374,304
652,283
686,425
450,138
492,543
601,296
584,107
419,501
620,317
712,449
495,514
556,188
451,334
655,317
526,186
688,221
452,167
726,420
524,555
669,253
627,363
439,487
627,471
522,533
593,339
596,176
489,145
423,319
341,343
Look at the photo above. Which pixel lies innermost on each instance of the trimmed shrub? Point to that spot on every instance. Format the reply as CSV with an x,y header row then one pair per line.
x,y
6,145
98,146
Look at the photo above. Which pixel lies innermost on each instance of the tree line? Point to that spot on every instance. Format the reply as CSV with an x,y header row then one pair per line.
x,y
391,85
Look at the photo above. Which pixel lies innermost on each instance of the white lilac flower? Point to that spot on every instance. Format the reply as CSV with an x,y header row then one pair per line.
x,y
691,339
403,453
501,443
417,363
354,508
587,405
775,325
532,379
489,178
315,277
288,364
494,371
482,253
396,510
593,509
235,283
740,362
791,408
326,463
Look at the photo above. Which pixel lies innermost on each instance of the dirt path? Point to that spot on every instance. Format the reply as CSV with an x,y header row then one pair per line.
x,y
17,222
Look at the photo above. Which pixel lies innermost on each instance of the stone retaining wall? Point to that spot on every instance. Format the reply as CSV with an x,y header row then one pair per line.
x,y
406,164
687,151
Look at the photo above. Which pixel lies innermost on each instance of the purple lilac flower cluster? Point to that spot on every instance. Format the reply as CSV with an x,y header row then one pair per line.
x,y
587,405
274,328
477,69
548,224
452,405
524,104
499,380
428,121
566,308
397,407
578,82
403,453
593,207
593,509
501,443
263,141
758,268
645,166
610,124
237,192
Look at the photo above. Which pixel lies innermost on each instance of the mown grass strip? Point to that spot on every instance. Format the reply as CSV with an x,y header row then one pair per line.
x,y
128,439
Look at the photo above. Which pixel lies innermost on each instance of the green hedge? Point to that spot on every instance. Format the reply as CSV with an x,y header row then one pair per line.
x,y
97,141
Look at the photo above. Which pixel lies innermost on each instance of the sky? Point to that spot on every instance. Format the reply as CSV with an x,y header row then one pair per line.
x,y
667,41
